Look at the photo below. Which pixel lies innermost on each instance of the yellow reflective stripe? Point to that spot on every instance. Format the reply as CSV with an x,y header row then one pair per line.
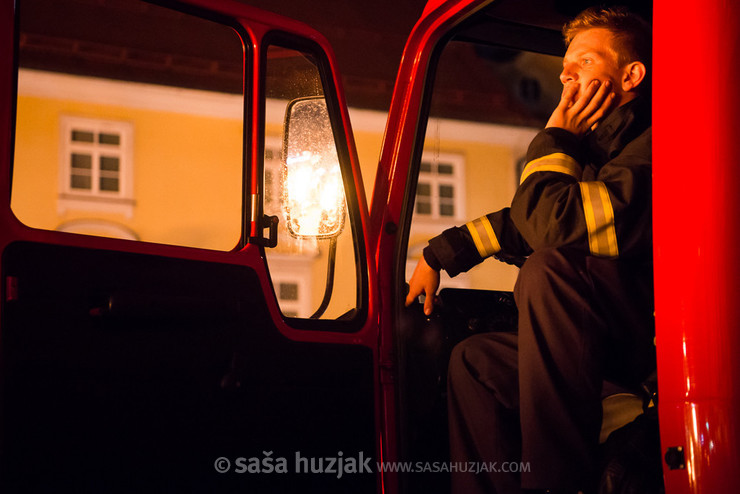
x,y
597,207
556,162
483,236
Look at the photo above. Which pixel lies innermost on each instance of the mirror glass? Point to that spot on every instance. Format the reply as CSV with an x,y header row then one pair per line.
x,y
313,201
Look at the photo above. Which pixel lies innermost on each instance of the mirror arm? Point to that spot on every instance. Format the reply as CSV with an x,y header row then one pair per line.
x,y
329,279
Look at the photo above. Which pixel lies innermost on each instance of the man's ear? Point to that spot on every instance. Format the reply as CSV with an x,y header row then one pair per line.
x,y
632,75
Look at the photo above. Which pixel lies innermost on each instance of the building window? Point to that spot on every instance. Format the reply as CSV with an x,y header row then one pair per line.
x,y
289,298
440,204
292,290
273,168
289,291
96,171
439,193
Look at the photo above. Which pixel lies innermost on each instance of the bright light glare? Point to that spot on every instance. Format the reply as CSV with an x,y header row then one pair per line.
x,y
314,195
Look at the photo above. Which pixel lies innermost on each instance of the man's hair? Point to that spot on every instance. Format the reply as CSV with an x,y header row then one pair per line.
x,y
632,35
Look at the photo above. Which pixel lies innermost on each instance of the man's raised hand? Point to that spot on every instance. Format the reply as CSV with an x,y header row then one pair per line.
x,y
577,114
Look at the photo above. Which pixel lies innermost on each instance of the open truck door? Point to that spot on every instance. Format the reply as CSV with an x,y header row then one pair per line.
x,y
168,324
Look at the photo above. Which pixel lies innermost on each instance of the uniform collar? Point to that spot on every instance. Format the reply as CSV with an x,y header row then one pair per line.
x,y
617,130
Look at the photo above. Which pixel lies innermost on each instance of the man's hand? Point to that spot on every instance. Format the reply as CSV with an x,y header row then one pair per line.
x,y
424,280
578,114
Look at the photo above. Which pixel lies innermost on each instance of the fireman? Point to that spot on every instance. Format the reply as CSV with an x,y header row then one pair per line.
x,y
580,222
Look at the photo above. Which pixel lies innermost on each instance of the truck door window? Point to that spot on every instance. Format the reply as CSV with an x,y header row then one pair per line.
x,y
129,123
313,267
487,104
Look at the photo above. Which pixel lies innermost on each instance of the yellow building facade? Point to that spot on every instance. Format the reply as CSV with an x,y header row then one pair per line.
x,y
171,172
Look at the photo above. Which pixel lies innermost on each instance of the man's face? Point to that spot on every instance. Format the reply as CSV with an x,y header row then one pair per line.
x,y
591,56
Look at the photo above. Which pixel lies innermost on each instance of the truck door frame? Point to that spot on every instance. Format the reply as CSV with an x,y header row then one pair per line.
x,y
257,29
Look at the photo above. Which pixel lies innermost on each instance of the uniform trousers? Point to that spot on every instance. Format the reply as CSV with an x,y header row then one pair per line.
x,y
528,403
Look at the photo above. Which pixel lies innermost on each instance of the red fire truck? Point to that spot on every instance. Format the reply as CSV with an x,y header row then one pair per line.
x,y
196,296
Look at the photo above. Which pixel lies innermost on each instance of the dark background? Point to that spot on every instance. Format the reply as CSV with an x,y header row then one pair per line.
x,y
367,36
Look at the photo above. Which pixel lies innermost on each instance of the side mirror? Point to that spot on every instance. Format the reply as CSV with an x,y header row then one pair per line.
x,y
313,192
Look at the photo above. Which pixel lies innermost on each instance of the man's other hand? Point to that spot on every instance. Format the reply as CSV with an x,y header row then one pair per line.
x,y
424,280
577,114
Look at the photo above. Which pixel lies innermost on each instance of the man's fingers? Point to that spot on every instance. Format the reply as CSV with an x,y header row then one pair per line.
x,y
598,96
424,280
570,90
428,298
598,100
586,99
568,96
428,304
578,112
415,290
603,110
606,105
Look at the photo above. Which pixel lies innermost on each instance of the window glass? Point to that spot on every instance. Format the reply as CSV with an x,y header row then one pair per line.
x,y
487,104
440,191
92,160
315,276
129,119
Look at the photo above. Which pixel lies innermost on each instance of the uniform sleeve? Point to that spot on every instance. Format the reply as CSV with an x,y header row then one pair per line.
x,y
607,217
460,248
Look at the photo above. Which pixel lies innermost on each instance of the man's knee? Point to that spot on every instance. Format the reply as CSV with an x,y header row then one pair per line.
x,y
545,268
463,359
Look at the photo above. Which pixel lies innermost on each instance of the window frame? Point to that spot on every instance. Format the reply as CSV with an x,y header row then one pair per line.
x,y
352,322
121,201
456,179
79,202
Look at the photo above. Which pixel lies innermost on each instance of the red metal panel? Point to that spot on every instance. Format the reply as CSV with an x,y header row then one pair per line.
x,y
390,184
7,83
696,227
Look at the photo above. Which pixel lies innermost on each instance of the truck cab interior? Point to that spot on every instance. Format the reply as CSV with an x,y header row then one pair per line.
x,y
498,72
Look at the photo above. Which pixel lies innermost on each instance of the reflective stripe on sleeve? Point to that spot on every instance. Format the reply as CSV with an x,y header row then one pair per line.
x,y
483,236
556,162
597,206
